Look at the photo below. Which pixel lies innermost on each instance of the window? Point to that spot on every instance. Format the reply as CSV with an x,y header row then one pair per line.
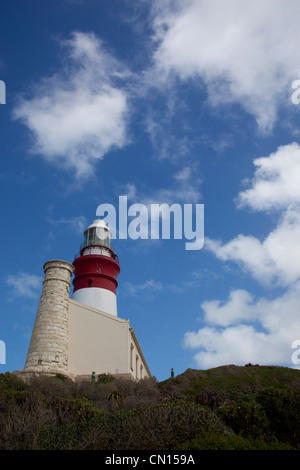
x,y
136,366
91,235
90,282
131,356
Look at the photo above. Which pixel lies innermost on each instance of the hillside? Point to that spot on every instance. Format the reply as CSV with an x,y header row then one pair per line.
x,y
232,379
228,407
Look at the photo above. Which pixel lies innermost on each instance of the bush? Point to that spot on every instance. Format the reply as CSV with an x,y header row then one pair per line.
x,y
157,427
247,419
136,394
210,441
211,398
282,407
56,413
73,410
51,387
11,386
58,438
21,421
105,378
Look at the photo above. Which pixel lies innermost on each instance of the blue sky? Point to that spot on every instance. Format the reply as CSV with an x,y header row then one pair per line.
x,y
169,101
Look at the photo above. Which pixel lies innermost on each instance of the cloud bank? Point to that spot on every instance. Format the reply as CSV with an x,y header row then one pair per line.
x,y
242,52
242,328
78,115
274,189
239,51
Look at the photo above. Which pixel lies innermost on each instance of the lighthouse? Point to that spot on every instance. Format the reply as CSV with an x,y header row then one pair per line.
x,y
82,337
96,270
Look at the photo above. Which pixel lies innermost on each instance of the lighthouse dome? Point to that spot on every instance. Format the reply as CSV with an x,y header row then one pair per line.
x,y
98,229
98,234
98,223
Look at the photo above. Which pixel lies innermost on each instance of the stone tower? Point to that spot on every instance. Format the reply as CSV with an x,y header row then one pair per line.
x,y
48,349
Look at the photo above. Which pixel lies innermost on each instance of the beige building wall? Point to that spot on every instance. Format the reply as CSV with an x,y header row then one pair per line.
x,y
103,343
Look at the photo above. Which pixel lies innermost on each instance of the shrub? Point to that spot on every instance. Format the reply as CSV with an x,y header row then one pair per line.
x,y
105,378
55,413
157,427
282,407
247,419
59,438
73,410
209,441
21,421
211,398
11,387
51,387
137,394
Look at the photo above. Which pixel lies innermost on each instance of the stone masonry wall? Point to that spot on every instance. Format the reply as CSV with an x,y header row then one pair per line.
x,y
48,349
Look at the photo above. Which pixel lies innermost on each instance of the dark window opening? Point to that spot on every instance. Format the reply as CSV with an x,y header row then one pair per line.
x,y
90,282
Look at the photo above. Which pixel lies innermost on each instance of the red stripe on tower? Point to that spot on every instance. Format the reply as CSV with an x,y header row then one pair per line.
x,y
96,270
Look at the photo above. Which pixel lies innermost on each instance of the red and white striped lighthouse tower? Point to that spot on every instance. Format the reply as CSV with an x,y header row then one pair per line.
x,y
96,270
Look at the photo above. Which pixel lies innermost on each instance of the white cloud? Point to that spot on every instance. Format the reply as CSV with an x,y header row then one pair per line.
x,y
78,115
275,186
233,345
237,308
242,329
276,259
245,52
149,288
230,338
25,285
276,180
165,144
149,285
77,224
185,188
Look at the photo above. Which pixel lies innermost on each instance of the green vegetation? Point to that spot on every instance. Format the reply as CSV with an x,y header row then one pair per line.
x,y
229,407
